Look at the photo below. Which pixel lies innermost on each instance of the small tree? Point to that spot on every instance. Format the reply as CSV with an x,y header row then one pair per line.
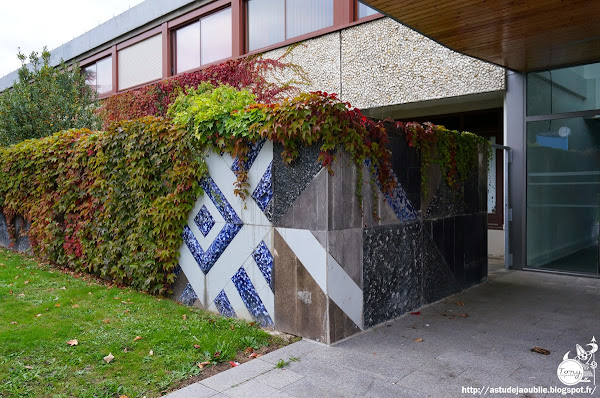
x,y
45,100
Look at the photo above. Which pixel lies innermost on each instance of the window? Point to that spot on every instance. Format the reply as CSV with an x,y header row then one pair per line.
x,y
274,21
140,63
99,75
364,10
205,41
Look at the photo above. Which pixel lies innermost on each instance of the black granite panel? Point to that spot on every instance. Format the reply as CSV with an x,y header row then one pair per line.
x,y
449,233
290,180
475,272
309,210
472,197
406,164
392,271
438,278
446,202
459,242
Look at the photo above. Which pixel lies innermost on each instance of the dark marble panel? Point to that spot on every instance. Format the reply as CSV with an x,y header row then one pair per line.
x,y
290,180
344,207
4,236
472,197
340,326
438,278
300,304
449,233
471,236
309,210
475,272
392,258
446,202
459,242
346,247
406,164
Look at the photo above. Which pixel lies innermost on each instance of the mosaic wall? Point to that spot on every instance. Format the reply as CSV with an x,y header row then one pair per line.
x,y
299,256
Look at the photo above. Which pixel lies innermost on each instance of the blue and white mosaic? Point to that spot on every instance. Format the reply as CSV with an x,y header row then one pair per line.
x,y
206,259
204,221
250,298
252,155
264,259
188,296
224,306
398,200
264,190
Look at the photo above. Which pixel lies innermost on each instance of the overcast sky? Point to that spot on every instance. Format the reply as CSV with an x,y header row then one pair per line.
x,y
33,24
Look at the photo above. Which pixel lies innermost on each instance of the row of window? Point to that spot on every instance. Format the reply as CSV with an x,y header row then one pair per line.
x,y
209,39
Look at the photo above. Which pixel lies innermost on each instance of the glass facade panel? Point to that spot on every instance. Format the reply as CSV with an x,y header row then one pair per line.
x,y
305,16
215,36
99,75
364,10
563,90
187,50
104,76
563,194
266,23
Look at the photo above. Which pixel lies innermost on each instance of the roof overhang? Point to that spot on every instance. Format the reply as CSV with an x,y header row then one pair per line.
x,y
522,35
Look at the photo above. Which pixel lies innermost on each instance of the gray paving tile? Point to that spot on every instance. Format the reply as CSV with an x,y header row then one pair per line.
x,y
254,389
195,390
237,375
279,378
293,350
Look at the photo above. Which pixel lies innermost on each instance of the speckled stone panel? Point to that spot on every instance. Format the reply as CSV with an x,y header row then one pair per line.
x,y
438,277
289,180
309,210
384,63
392,271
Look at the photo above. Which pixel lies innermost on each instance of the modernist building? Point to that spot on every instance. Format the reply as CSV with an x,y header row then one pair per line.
x,y
530,86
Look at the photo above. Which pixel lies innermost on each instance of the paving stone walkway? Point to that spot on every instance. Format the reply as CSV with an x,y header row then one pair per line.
x,y
484,343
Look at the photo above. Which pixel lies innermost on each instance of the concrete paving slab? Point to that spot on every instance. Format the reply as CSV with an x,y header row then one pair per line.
x,y
507,316
195,390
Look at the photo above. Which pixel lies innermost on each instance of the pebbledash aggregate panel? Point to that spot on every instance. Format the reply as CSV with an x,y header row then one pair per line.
x,y
299,256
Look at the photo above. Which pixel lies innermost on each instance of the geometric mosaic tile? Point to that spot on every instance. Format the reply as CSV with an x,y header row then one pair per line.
x,y
188,296
397,199
264,260
224,306
250,297
204,221
263,193
252,155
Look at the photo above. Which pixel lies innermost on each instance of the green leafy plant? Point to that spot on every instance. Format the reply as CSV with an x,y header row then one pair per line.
x,y
45,100
110,203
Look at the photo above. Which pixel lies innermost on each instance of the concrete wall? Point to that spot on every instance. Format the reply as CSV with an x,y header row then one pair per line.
x,y
382,63
301,257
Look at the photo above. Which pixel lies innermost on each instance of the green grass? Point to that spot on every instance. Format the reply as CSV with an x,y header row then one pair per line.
x,y
36,361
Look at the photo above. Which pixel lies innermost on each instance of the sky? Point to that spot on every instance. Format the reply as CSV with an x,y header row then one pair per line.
x,y
32,24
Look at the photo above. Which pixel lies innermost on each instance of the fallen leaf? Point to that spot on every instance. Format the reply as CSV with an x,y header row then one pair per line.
x,y
201,365
460,303
126,311
17,277
63,288
124,302
416,313
21,295
106,321
29,367
57,305
232,327
233,364
540,350
109,357
137,338
75,306
184,317
26,282
464,315
73,342
217,354
38,315
13,323
10,291
419,340
254,355
196,346
89,292
151,353
123,396
248,350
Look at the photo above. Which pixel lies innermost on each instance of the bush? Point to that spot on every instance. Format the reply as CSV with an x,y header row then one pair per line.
x,y
110,203
45,100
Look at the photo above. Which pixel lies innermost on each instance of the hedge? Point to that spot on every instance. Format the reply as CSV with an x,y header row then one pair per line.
x,y
109,203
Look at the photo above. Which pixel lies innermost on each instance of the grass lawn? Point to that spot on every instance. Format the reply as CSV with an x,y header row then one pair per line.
x,y
155,343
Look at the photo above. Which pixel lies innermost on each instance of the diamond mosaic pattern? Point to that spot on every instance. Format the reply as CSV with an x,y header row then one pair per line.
x,y
224,306
250,298
204,221
398,200
188,296
264,190
207,258
252,155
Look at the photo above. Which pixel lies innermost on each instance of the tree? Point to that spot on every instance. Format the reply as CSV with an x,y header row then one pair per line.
x,y
45,100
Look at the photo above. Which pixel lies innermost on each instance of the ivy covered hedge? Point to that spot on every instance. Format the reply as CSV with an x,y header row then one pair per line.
x,y
109,203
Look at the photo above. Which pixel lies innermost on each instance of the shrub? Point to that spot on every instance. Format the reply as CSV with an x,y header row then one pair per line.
x,y
45,100
110,203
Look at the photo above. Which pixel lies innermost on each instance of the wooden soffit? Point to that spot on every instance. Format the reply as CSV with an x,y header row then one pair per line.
x,y
523,35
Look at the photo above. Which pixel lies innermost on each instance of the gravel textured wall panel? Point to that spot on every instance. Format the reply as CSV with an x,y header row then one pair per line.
x,y
382,62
